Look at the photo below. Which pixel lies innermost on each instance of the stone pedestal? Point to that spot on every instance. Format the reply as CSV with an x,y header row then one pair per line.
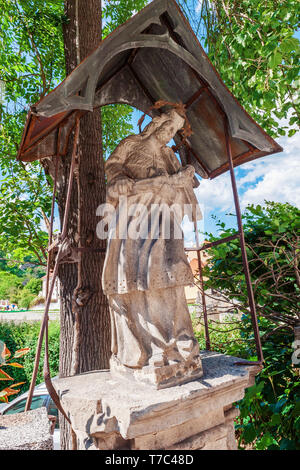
x,y
108,412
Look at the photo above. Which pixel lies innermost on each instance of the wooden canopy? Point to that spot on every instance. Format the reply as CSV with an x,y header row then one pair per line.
x,y
153,56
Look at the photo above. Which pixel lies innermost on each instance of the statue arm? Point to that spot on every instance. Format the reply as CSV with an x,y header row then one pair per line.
x,y
184,179
114,166
118,181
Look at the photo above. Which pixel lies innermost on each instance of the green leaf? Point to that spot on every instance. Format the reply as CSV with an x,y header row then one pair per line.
x,y
289,44
275,420
255,390
4,375
249,433
287,444
21,352
279,405
15,364
266,441
275,59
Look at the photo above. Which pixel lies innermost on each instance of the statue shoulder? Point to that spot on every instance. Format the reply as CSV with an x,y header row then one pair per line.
x,y
124,147
128,142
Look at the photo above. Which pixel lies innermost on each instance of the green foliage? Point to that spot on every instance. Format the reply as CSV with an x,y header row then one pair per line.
x,y
34,286
17,336
24,299
32,64
116,12
252,45
116,124
19,289
225,337
269,412
31,341
269,416
272,239
9,285
7,360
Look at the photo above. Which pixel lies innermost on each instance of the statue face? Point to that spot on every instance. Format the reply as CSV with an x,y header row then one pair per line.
x,y
168,129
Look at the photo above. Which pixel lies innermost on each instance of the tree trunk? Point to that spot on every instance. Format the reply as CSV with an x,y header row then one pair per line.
x,y
85,324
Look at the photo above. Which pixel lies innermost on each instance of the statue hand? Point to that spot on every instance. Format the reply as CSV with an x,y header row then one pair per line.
x,y
184,176
188,171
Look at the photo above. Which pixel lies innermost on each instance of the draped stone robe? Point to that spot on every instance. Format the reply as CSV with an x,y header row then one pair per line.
x,y
144,277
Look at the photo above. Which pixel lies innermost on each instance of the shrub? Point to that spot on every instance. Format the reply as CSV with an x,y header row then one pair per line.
x,y
269,416
34,286
7,360
270,411
38,300
272,244
18,336
25,299
9,285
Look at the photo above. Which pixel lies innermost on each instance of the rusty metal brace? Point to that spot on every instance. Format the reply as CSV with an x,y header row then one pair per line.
x,y
62,249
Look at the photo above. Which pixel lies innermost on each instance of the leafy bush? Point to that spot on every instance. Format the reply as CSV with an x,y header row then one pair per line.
x,y
9,285
25,299
272,243
18,336
34,286
6,359
269,416
225,337
38,300
54,331
18,290
270,411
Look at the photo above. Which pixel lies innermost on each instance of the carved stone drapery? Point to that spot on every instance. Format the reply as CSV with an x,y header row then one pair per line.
x,y
146,268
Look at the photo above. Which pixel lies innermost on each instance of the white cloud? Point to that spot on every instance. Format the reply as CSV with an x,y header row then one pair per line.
x,y
215,194
280,182
189,232
274,178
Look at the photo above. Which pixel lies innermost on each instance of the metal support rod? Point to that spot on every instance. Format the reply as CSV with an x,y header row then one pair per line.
x,y
207,245
50,289
207,339
243,248
41,334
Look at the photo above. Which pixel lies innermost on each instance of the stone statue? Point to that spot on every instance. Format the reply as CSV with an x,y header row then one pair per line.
x,y
145,269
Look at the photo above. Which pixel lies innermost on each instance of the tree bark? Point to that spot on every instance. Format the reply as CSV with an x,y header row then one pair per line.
x,y
85,323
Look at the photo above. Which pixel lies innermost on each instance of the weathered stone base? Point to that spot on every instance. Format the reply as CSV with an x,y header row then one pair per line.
x,y
160,377
109,412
